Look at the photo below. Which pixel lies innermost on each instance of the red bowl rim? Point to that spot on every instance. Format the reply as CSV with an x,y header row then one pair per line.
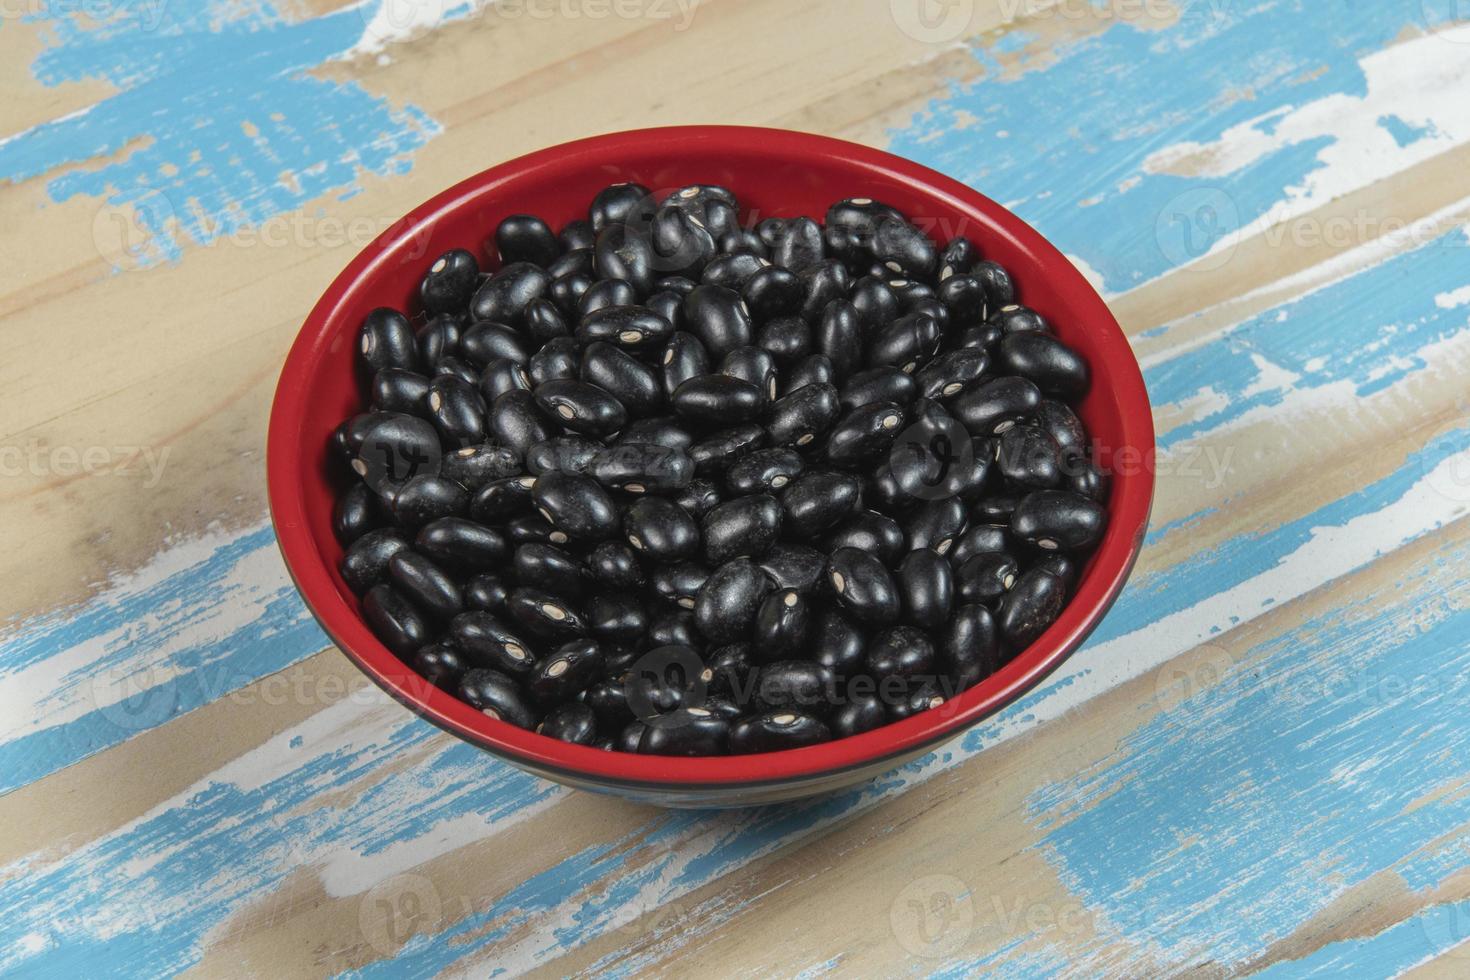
x,y
1103,581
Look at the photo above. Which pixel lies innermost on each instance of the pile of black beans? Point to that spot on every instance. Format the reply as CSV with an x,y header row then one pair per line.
x,y
679,480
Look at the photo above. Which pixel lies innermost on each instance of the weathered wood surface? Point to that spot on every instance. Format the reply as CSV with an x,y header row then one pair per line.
x,y
1261,762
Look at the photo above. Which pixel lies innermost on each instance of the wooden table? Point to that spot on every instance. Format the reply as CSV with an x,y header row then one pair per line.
x,y
1260,763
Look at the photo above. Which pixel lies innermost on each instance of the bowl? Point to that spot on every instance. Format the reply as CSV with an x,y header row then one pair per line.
x,y
774,172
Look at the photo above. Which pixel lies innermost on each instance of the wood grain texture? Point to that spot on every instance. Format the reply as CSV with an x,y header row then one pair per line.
x,y
1256,767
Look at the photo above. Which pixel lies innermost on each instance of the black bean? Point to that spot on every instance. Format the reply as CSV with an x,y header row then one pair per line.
x,y
518,423
463,544
907,343
966,299
985,337
788,339
969,646
617,619
1033,604
690,731
664,679
935,460
752,365
957,258
800,245
881,384
680,582
952,373
394,619
397,390
365,563
818,501
661,530
498,696
501,375
1030,458
631,737
633,383
1055,368
633,328
899,652
995,406
728,670
608,699
427,498
546,615
763,471
613,565
486,593
618,203
773,292
501,499
714,455
861,713
576,504
573,262
386,340
811,370
774,731
642,468
825,282
725,608
562,454
936,524
684,357
392,448
1061,566
581,407
865,434
441,665
719,318
1062,424
794,566
559,359
668,304
504,296
1085,479
489,641
566,672
550,569
544,320
922,695
872,532
459,367
994,509
863,587
439,338
457,410
800,417
1058,520
716,399
733,271
526,238
875,301
474,466
745,240
999,289
426,584
902,248
356,513
626,252
1015,319
598,295
839,337
926,588
743,526
570,722
716,207
576,234
795,684
986,577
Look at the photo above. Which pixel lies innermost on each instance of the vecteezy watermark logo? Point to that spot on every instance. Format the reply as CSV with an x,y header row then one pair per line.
x,y
393,911
34,459
933,916
1191,226
932,21
663,680
133,698
1190,673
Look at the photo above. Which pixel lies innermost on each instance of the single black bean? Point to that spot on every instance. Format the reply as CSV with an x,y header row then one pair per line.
x,y
426,584
837,644
518,423
572,722
865,434
668,304
462,544
788,339
957,258
800,246
1033,604
449,283
872,532
718,399
781,624
386,340
573,262
861,713
661,530
617,618
733,271
660,430
763,471
619,203
952,373
719,318
818,501
1058,520
392,448
544,320
504,296
994,509
486,593
576,504
365,562
725,608
794,566
802,416
501,375
546,615
356,513
474,466
752,365
728,671
994,406
904,249
999,288
881,384
986,577
642,468
826,281
633,328
1085,479
875,302
682,244
746,526
489,641
1013,318
1063,425
699,498
457,410
902,651
576,234
936,524
1061,566
1030,458
499,500
557,360
534,529
498,696
631,737
550,569
613,565
439,338
839,337
633,383
926,588
795,684
441,665
969,646
907,343
485,341
774,731
689,731
773,292
716,207
397,390
673,627
608,699
717,453
863,587
581,407
922,695
394,619
984,337
684,357
526,238
427,498
562,454
745,240
626,252
566,672
965,297
600,294
1056,368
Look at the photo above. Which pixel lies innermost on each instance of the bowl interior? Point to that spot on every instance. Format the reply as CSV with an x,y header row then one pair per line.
x,y
774,173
